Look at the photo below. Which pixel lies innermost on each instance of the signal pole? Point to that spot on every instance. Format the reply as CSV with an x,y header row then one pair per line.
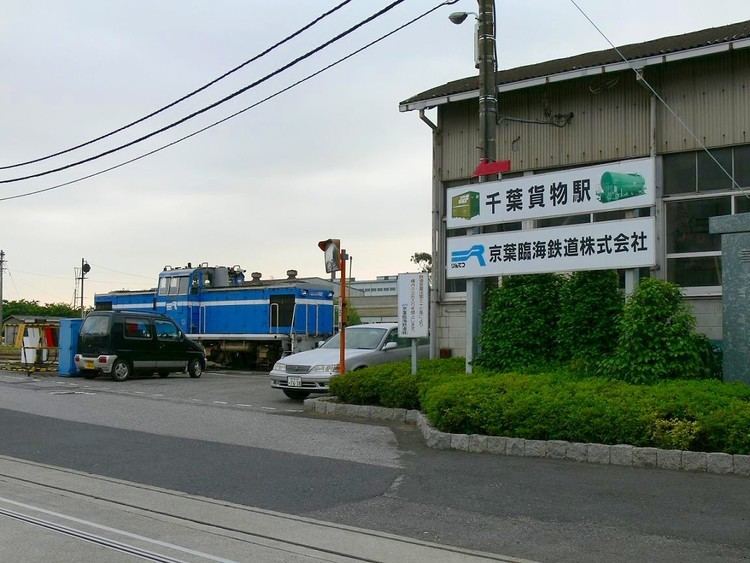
x,y
85,269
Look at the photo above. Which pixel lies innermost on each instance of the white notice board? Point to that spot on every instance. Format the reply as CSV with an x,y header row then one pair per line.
x,y
413,305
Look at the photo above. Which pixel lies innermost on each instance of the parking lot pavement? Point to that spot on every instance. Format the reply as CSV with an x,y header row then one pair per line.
x,y
228,389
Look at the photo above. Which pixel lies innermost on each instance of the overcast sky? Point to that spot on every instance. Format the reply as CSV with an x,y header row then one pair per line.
x,y
332,158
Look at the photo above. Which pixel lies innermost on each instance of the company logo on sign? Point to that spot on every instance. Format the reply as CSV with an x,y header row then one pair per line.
x,y
460,257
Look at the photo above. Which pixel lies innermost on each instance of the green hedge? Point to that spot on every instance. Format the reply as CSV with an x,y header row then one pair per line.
x,y
704,415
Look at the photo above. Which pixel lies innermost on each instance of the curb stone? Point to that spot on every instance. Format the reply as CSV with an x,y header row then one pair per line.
x,y
603,454
621,454
669,459
644,457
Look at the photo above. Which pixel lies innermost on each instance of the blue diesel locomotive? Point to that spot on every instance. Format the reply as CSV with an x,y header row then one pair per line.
x,y
242,323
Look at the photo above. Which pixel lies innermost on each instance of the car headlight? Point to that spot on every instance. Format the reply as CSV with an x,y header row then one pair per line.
x,y
278,366
326,368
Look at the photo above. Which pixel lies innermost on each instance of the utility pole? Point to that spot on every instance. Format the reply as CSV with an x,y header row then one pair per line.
x,y
487,131
2,272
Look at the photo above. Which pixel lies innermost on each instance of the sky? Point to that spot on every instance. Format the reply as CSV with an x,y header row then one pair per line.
x,y
332,158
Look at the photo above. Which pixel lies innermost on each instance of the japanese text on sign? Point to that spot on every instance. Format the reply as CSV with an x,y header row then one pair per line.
x,y
619,185
413,305
611,244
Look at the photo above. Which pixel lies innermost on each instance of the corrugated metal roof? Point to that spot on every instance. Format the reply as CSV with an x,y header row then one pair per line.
x,y
655,47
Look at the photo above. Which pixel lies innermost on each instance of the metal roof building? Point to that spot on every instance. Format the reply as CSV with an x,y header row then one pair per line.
x,y
593,108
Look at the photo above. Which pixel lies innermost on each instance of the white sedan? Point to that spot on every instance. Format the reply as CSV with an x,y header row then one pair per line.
x,y
299,375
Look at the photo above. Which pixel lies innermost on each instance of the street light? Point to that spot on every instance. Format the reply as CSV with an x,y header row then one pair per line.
x,y
459,17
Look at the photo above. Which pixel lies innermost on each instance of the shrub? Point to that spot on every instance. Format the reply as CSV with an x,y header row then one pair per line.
x,y
393,385
590,304
705,415
657,338
520,322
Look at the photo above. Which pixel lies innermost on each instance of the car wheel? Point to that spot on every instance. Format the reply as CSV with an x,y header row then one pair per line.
x,y
195,368
296,395
163,374
121,370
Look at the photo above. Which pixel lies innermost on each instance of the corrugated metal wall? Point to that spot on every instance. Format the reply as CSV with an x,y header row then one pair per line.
x,y
611,116
711,94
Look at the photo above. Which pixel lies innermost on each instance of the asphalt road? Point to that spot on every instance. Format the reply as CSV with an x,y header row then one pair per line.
x,y
230,437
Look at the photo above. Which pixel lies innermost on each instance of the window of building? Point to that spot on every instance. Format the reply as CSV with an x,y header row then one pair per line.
x,y
696,189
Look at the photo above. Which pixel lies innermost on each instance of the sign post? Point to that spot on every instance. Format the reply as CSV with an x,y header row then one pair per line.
x,y
413,310
335,260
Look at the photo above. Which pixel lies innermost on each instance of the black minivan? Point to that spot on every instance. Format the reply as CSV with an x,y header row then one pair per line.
x,y
121,343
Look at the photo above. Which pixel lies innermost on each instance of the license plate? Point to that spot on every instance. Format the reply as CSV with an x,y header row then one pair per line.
x,y
90,364
294,381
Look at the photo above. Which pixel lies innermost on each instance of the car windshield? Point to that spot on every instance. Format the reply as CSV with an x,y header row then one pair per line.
x,y
358,338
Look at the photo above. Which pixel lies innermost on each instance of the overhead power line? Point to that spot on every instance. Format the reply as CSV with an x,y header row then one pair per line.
x,y
641,77
189,95
235,114
218,102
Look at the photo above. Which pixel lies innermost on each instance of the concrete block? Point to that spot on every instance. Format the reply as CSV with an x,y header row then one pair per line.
x,y
357,411
399,415
577,451
621,454
719,463
320,407
515,446
694,461
669,459
309,405
497,445
438,440
598,453
535,448
644,457
557,449
741,464
477,443
381,413
411,416
333,408
460,442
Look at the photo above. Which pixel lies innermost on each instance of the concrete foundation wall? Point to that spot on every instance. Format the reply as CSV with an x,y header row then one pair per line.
x,y
452,327
708,315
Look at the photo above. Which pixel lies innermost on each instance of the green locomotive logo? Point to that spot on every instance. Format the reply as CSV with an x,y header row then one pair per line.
x,y
617,186
465,205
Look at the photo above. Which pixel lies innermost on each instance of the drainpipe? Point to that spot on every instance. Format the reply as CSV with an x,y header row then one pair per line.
x,y
437,239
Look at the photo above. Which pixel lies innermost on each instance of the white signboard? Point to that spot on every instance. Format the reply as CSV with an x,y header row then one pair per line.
x,y
413,305
627,184
629,243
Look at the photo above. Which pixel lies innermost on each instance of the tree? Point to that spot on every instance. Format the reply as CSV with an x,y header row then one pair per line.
x,y
33,308
423,260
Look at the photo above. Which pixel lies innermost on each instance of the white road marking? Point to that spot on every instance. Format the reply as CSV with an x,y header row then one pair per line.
x,y
241,405
220,403
269,408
